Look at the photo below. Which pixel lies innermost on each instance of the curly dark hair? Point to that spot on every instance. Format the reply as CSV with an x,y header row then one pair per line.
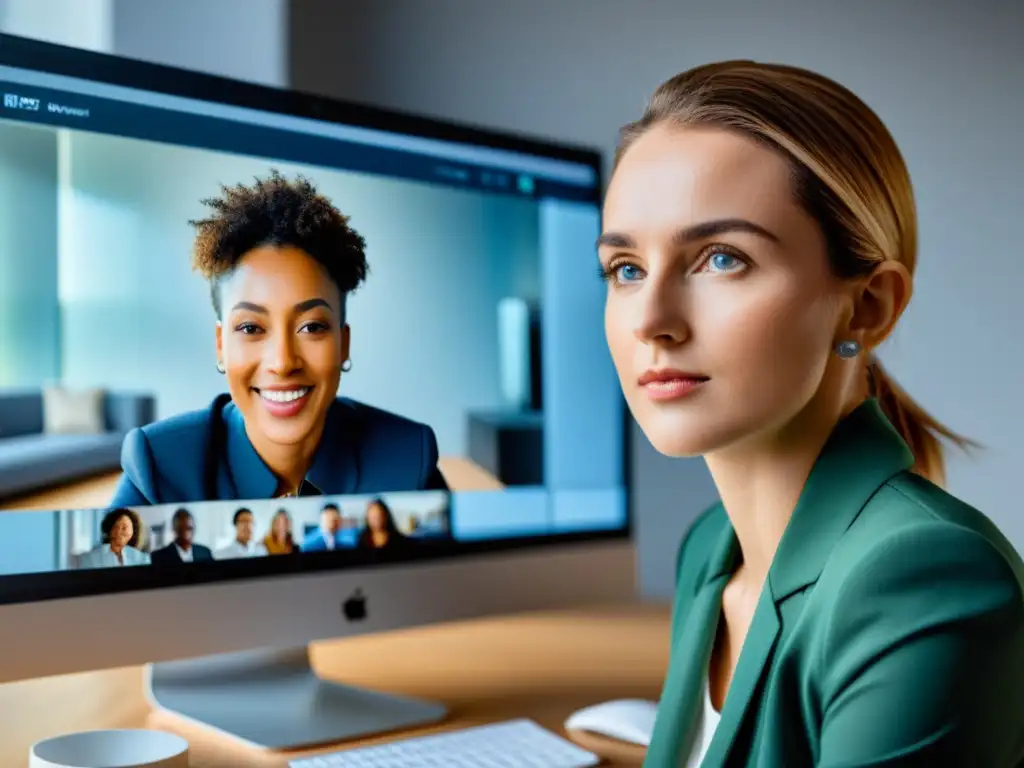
x,y
276,211
110,520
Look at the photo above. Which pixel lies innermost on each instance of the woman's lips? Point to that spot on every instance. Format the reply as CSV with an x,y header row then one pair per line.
x,y
665,390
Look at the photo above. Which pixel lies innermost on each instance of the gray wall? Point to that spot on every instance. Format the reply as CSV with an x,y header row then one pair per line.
x,y
244,39
947,78
81,23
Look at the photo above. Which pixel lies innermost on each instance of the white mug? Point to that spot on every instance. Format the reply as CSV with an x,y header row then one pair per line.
x,y
111,749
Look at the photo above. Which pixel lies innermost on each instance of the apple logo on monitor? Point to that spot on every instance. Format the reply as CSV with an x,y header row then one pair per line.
x,y
354,606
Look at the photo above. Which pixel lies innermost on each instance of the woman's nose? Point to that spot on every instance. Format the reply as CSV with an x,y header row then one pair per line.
x,y
661,313
281,357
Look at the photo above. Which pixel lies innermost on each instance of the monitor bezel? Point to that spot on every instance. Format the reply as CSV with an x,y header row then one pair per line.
x,y
109,69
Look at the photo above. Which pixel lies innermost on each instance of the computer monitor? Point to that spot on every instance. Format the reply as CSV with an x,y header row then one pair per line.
x,y
478,331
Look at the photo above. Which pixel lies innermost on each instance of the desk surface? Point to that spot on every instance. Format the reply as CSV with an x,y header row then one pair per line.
x,y
541,666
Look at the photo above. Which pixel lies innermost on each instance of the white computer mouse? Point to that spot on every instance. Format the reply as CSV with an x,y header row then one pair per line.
x,y
630,720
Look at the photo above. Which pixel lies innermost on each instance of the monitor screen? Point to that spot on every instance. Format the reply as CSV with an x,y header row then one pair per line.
x,y
161,378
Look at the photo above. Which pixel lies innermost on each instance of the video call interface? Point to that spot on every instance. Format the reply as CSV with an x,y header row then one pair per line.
x,y
480,317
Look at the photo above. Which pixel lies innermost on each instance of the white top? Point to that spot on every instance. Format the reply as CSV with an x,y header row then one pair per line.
x,y
707,722
184,554
236,549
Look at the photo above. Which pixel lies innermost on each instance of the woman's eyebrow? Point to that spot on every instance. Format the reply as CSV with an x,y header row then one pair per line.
x,y
685,235
302,306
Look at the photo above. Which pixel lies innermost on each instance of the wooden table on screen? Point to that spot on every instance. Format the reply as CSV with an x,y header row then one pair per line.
x,y
95,492
540,666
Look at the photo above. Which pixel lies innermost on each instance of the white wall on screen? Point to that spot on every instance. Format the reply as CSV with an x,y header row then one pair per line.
x,y
29,312
583,428
28,542
515,511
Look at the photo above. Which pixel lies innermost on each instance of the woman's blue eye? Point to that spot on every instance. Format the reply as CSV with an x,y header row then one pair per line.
x,y
628,273
724,262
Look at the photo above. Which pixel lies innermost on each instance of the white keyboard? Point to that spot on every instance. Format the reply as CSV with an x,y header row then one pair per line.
x,y
513,744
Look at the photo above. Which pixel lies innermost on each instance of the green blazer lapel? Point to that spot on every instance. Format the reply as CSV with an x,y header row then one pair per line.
x,y
754,657
691,650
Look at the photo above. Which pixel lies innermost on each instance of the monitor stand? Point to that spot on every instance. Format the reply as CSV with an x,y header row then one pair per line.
x,y
275,700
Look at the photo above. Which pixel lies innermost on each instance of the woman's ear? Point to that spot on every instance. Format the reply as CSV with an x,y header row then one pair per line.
x,y
879,302
346,342
219,344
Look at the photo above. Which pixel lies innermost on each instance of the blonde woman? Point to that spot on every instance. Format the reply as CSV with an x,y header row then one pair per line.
x,y
279,539
837,607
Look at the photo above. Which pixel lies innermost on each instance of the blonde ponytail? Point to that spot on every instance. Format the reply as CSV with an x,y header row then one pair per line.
x,y
919,430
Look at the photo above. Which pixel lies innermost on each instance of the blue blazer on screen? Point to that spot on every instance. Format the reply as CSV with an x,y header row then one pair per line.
x,y
205,455
316,542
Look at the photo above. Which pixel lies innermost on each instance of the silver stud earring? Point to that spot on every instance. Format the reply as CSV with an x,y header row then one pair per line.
x,y
847,349
346,366
220,367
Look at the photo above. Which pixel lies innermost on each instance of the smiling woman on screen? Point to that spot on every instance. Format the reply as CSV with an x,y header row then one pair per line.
x,y
120,532
281,261
837,608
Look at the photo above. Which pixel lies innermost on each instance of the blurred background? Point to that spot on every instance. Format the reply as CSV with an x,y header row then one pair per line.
x,y
946,77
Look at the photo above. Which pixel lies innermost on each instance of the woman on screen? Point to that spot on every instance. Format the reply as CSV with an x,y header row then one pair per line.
x,y
119,542
380,531
279,539
281,261
837,607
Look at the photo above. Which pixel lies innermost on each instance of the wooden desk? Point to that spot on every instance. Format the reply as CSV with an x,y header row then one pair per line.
x,y
541,666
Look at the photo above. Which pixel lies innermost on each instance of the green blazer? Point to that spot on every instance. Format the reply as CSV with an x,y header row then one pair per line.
x,y
890,630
